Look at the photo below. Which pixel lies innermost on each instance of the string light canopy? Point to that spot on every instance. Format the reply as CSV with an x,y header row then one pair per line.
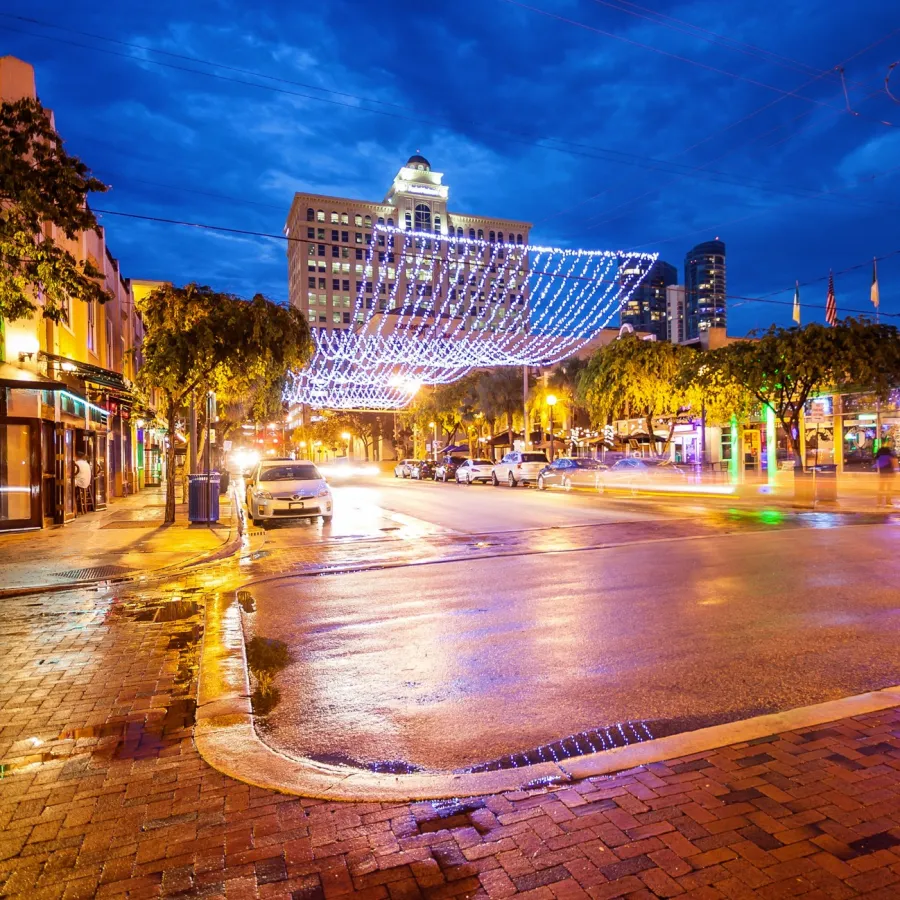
x,y
431,307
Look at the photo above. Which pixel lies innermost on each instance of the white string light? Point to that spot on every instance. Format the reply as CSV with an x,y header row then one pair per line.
x,y
528,305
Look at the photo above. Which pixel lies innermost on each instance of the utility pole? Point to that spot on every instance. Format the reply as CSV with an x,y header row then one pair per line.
x,y
526,431
192,436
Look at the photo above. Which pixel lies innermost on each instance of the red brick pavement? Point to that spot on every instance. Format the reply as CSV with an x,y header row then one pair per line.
x,y
104,795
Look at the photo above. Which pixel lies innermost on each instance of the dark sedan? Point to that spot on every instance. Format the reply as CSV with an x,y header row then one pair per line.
x,y
570,471
447,466
421,469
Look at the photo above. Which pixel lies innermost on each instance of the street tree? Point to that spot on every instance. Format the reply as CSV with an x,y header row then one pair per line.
x,y
788,366
638,379
197,336
42,185
500,395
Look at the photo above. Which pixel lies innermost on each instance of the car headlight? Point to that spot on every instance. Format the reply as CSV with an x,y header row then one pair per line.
x,y
263,495
323,492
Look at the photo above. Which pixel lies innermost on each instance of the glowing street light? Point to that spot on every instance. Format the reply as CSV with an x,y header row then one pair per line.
x,y
346,436
433,427
551,402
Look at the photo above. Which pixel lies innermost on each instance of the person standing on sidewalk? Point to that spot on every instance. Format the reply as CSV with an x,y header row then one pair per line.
x,y
886,466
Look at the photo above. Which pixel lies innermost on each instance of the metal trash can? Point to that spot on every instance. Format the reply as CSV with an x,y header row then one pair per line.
x,y
203,498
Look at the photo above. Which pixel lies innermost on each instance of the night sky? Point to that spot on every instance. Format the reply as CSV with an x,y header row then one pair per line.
x,y
605,123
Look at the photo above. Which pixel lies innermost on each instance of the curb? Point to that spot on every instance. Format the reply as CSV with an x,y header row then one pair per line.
x,y
226,738
229,548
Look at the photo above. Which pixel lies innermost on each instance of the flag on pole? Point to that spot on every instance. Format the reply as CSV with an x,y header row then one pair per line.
x,y
874,294
797,303
831,303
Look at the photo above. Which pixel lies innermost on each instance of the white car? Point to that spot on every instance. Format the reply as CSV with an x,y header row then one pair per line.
x,y
473,470
287,489
519,467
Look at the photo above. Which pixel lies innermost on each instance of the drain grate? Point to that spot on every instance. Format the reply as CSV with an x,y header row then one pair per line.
x,y
93,573
593,741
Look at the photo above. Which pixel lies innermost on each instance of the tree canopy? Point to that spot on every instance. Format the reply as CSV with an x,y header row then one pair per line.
x,y
788,366
41,185
197,337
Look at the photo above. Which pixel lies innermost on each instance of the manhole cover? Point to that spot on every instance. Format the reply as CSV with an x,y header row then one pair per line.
x,y
93,573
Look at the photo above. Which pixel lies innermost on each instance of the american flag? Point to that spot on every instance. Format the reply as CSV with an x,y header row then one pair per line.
x,y
830,303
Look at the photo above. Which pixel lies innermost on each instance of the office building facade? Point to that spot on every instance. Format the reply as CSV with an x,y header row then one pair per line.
x,y
704,286
329,239
645,310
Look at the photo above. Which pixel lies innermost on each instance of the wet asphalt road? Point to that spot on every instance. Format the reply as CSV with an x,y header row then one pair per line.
x,y
548,630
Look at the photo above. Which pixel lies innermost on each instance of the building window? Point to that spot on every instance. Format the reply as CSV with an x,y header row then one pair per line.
x,y
311,297
500,236
310,215
346,284
358,237
471,234
357,219
322,284
381,220
320,215
336,318
491,237
335,284
480,235
346,318
345,219
310,232
437,224
359,254
311,281
336,251
321,249
519,239
390,223
368,221
92,327
334,236
334,218
423,217
345,237
408,219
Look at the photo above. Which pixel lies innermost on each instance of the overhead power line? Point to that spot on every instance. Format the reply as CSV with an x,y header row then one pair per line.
x,y
247,232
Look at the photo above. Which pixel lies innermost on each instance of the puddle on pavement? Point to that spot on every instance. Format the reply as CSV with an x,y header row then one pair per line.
x,y
176,609
382,766
266,657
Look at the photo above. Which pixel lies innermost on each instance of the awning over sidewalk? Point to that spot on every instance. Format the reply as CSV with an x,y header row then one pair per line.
x,y
14,377
90,373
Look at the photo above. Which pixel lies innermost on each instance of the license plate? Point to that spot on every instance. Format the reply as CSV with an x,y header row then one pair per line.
x,y
295,506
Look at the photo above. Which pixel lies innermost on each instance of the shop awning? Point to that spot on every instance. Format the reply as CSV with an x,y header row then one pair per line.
x,y
90,373
14,377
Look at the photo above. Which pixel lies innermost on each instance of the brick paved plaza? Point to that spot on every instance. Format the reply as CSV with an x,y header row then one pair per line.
x,y
103,794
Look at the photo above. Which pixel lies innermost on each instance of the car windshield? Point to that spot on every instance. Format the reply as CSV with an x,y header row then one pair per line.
x,y
304,472
481,462
587,464
534,457
456,460
658,463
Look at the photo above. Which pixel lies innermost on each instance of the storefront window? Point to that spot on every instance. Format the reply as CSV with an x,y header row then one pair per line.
x,y
859,442
15,473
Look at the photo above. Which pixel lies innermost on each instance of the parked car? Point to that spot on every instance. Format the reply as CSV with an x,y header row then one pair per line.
x,y
422,469
473,470
570,471
446,468
287,489
403,468
639,473
519,466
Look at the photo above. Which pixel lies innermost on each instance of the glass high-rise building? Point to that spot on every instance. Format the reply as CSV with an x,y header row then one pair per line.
x,y
645,309
704,288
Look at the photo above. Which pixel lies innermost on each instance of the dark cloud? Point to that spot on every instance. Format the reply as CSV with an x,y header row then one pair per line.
x,y
675,136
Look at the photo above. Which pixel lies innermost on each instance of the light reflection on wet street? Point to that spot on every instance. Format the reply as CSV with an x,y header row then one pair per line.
x,y
553,614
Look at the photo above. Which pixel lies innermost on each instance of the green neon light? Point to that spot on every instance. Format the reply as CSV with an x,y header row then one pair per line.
x,y
771,447
733,463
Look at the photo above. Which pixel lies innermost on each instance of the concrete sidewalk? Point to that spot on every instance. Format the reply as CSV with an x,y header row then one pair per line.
x,y
127,539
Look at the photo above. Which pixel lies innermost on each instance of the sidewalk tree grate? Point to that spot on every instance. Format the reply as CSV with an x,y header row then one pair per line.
x,y
93,573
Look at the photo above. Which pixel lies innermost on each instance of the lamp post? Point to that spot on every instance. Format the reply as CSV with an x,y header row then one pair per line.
x,y
346,436
433,427
551,402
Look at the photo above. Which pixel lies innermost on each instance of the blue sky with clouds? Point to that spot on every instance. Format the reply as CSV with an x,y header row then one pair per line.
x,y
607,123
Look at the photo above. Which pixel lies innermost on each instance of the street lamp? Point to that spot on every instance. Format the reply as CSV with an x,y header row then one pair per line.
x,y
551,402
346,436
433,427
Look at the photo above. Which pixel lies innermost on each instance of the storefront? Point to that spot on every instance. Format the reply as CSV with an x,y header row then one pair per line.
x,y
44,425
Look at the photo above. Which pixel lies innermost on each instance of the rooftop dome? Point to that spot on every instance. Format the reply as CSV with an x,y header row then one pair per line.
x,y
418,162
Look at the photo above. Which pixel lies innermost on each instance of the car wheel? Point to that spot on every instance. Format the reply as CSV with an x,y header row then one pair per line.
x,y
445,477
468,479
495,481
510,480
567,484
541,485
456,478
395,474
256,522
326,520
